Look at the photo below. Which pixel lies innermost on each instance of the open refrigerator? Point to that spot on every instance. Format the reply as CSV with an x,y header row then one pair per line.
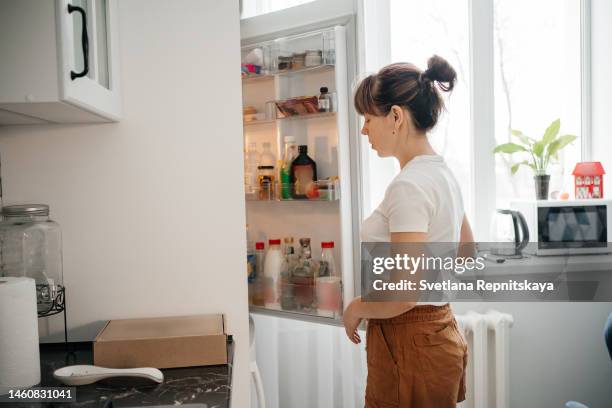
x,y
282,81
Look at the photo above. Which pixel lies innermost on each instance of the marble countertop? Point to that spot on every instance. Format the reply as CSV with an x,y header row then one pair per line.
x,y
208,386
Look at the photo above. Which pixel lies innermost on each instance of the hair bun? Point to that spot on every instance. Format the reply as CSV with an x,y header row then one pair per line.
x,y
439,70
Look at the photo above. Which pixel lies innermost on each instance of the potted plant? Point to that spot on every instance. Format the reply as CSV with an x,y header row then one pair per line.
x,y
540,153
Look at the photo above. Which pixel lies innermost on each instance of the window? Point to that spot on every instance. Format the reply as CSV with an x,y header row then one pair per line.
x,y
537,80
534,63
252,8
420,29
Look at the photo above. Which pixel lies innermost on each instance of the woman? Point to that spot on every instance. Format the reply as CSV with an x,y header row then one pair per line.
x,y
416,354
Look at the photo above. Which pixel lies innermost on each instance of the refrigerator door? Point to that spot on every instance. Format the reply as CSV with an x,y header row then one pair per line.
x,y
281,76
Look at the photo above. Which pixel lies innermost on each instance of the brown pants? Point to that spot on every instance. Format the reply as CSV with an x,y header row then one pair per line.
x,y
417,359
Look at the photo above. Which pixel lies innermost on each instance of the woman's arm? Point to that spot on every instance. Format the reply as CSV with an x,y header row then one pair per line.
x,y
358,309
385,310
378,310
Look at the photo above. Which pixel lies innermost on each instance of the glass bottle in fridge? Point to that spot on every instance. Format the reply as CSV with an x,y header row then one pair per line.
x,y
267,157
303,174
302,278
325,100
289,251
290,153
265,181
251,162
272,270
287,300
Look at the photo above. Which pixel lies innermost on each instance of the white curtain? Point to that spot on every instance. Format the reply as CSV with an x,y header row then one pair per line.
x,y
305,365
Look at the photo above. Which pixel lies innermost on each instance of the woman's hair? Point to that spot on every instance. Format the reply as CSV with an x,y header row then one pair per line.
x,y
405,85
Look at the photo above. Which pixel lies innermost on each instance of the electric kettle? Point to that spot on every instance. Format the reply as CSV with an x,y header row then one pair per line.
x,y
509,233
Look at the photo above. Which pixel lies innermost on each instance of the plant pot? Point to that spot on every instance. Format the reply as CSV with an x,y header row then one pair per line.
x,y
541,186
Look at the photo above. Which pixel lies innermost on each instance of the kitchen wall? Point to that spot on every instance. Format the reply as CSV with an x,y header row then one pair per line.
x,y
151,208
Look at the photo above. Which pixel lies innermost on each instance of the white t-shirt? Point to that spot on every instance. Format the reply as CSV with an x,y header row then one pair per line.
x,y
423,197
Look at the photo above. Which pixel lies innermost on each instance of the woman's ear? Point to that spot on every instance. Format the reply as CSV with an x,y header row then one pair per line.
x,y
398,116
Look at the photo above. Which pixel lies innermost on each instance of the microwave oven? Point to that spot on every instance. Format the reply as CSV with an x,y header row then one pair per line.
x,y
568,227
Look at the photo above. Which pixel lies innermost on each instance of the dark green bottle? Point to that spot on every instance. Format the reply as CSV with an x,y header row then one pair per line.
x,y
303,173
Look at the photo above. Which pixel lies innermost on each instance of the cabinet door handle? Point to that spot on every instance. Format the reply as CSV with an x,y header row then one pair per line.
x,y
84,43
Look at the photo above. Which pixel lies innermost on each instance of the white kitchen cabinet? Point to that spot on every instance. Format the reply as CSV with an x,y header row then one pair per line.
x,y
60,61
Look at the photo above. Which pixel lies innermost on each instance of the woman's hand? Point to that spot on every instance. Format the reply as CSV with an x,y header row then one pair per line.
x,y
352,322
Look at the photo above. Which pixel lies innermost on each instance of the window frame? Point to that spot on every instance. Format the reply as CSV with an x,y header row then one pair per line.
x,y
482,96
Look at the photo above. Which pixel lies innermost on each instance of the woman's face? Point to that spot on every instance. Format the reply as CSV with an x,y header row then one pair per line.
x,y
380,133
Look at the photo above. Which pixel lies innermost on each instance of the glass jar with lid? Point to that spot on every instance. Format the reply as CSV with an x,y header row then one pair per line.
x,y
31,246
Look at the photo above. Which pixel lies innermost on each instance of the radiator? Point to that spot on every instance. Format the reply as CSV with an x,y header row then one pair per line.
x,y
305,365
488,374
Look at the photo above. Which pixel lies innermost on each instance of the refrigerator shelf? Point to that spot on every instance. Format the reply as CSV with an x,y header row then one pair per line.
x,y
295,315
259,122
309,116
291,118
249,197
316,68
287,72
325,190
257,78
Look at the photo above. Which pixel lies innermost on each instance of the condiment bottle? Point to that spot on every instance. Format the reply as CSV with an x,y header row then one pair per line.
x,y
325,101
303,173
265,179
285,171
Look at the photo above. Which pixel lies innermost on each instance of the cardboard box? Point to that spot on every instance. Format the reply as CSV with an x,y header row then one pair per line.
x,y
162,342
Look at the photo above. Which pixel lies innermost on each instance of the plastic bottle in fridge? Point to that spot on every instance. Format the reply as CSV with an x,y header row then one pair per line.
x,y
290,153
259,258
327,265
273,264
328,284
258,284
251,162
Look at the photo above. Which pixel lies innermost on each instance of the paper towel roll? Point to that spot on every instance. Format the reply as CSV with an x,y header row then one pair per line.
x,y
19,354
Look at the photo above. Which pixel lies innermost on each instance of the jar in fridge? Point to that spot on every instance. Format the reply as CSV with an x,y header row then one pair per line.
x,y
298,61
265,181
313,58
31,246
329,296
324,100
251,162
